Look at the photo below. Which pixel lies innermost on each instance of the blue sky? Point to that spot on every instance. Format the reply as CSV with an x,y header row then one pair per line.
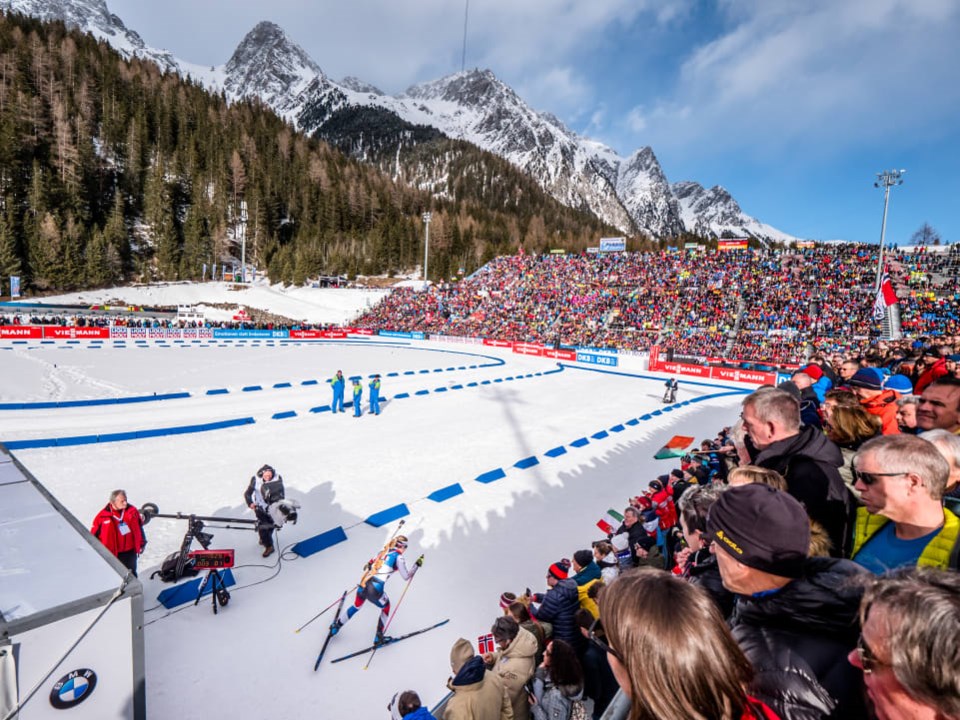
x,y
793,106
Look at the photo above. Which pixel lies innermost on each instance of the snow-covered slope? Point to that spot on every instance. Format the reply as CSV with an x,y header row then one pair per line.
x,y
632,194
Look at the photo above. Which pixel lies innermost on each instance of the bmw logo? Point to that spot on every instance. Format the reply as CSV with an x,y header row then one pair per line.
x,y
73,688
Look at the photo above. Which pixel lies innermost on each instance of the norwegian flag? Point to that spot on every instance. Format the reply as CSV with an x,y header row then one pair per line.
x,y
885,297
485,644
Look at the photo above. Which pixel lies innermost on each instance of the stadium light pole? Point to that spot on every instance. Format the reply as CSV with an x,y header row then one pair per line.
x,y
427,217
886,180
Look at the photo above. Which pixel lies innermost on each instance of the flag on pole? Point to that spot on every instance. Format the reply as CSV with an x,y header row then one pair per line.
x,y
14,286
203,277
675,447
885,297
610,522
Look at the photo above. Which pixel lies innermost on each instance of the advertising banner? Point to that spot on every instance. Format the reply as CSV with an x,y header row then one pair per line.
x,y
684,369
57,332
596,359
358,331
14,286
613,244
737,244
747,376
570,355
250,334
528,349
20,332
494,343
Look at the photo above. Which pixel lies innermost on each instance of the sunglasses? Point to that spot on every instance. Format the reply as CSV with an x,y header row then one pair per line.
x,y
868,478
868,661
595,639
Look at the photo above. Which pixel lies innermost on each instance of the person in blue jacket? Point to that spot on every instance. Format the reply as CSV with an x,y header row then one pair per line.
x,y
338,384
357,397
375,395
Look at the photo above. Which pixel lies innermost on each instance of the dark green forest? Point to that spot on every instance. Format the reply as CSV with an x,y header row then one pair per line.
x,y
113,171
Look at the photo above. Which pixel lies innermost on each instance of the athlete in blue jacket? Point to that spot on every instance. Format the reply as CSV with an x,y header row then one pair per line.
x,y
375,395
338,384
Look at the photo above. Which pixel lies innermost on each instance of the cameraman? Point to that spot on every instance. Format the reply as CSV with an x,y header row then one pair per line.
x,y
254,497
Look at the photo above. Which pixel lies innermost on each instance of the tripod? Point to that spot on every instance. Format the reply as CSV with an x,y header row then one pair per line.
x,y
218,591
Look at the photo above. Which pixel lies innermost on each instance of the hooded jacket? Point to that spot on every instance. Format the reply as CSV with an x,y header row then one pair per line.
x,y
588,576
809,462
558,606
477,693
884,406
515,667
798,639
703,570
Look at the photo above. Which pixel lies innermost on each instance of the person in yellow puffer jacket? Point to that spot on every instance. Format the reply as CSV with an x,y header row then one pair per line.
x,y
586,574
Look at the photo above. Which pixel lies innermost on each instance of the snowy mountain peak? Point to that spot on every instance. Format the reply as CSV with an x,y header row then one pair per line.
x,y
357,85
269,65
94,17
472,88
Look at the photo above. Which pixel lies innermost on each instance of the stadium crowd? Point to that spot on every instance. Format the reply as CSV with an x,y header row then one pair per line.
x,y
801,564
756,305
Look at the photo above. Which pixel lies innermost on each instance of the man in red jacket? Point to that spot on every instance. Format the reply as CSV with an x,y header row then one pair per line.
x,y
118,526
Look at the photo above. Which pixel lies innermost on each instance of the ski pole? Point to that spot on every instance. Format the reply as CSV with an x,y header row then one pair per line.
x,y
394,613
328,607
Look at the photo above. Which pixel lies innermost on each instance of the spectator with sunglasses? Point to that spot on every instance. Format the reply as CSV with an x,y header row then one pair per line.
x,y
909,614
671,652
901,479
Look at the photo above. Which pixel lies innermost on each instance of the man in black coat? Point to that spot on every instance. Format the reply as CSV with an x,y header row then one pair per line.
x,y
805,457
795,617
558,606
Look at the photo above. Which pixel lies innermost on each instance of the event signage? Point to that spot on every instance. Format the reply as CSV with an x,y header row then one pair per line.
x,y
736,244
223,333
528,349
613,244
596,359
57,332
20,332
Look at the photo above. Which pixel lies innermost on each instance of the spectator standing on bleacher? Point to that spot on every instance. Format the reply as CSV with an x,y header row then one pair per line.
x,y
671,652
908,649
513,662
559,604
478,693
337,385
901,480
795,617
867,384
949,446
806,459
599,683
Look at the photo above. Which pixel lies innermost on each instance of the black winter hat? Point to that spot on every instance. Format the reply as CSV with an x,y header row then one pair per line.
x,y
763,528
583,557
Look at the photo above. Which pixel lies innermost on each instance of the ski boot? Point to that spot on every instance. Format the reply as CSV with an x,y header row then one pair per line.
x,y
335,626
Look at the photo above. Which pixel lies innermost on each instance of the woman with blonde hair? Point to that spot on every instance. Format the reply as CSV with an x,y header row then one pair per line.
x,y
849,428
672,653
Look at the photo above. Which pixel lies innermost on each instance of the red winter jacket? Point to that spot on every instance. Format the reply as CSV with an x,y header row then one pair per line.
x,y
105,527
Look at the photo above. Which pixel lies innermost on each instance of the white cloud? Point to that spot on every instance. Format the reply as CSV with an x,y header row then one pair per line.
x,y
636,120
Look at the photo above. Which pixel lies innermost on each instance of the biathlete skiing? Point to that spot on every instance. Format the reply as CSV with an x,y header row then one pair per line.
x,y
371,586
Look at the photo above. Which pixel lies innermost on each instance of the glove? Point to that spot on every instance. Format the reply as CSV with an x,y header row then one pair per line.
x,y
419,561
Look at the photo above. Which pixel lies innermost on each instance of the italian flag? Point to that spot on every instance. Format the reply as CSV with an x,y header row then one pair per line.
x,y
610,522
675,447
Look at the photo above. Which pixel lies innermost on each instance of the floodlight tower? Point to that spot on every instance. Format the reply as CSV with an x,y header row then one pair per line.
x,y
886,180
427,217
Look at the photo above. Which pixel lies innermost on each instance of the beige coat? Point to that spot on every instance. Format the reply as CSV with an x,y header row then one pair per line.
x,y
485,700
515,666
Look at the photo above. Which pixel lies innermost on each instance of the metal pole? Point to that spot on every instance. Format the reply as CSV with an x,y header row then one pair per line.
x,y
426,247
886,180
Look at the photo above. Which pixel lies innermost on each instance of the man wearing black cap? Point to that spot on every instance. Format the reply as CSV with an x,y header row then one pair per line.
x,y
804,456
795,617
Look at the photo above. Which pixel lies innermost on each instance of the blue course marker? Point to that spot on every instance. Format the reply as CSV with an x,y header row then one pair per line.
x,y
187,592
388,516
445,493
580,442
279,385
617,428
489,477
600,435
633,422
315,544
422,392
309,382
440,389
252,388
401,396
284,415
320,409
556,452
528,462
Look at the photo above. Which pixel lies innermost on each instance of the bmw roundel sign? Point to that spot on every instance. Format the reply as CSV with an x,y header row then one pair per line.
x,y
73,688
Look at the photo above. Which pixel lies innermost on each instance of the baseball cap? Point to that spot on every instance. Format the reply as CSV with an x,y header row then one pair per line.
x,y
813,371
761,527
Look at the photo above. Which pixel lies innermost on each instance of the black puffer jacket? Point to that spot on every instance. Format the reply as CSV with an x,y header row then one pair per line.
x,y
809,462
703,570
558,606
798,639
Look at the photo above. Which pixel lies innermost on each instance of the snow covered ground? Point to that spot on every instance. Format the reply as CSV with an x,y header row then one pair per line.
x,y
314,305
493,537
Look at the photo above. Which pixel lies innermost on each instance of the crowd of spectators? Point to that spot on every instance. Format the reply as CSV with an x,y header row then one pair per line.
x,y
802,564
170,322
756,305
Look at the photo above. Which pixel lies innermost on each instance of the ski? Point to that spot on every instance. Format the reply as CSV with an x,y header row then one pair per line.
x,y
391,641
330,632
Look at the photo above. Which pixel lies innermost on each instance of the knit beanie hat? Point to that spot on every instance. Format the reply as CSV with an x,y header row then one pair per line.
x,y
559,569
867,377
583,557
507,599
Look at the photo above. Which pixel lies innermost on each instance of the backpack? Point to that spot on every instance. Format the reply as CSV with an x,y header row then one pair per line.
x,y
168,570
